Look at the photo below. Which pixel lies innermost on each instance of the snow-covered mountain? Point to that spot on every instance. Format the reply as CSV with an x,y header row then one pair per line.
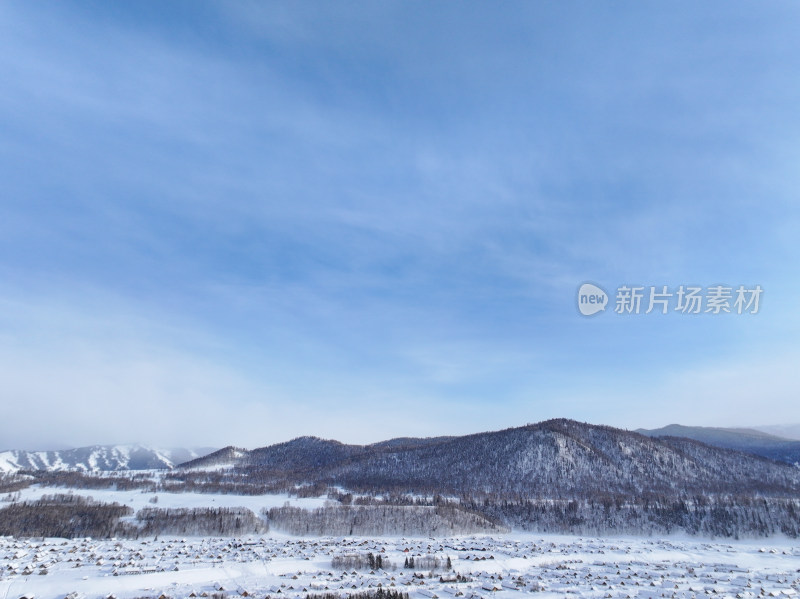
x,y
98,458
560,459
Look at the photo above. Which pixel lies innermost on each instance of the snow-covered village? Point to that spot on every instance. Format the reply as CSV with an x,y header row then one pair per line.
x,y
470,566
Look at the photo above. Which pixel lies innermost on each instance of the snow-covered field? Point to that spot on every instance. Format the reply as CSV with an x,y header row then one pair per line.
x,y
137,500
504,566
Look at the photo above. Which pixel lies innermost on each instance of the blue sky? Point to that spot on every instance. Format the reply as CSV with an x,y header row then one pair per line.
x,y
236,223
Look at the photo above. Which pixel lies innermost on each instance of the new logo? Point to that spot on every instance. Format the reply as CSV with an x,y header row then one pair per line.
x,y
591,299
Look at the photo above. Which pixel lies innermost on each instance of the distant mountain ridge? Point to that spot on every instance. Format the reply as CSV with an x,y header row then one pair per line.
x,y
740,439
787,431
98,458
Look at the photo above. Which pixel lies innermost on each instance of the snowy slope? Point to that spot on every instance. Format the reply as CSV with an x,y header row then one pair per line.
x,y
226,457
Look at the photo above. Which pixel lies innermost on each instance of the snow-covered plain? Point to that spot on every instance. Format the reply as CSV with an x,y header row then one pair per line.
x,y
504,566
137,499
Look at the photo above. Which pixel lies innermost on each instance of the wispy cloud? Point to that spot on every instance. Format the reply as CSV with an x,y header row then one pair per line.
x,y
268,210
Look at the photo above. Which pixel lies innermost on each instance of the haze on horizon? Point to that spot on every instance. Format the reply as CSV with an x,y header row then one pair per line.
x,y
239,223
